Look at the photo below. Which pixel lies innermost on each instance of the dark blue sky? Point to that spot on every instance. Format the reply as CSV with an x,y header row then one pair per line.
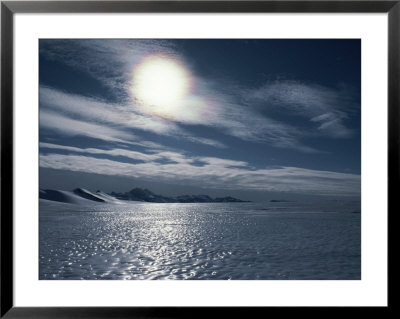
x,y
257,116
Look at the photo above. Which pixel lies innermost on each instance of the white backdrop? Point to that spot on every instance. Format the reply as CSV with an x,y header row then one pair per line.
x,y
370,291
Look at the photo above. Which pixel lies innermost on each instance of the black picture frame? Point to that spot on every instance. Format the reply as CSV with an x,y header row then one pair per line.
x,y
9,8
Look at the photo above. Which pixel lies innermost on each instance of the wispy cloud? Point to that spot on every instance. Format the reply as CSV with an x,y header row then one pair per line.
x,y
151,156
224,112
73,114
91,109
212,172
109,61
328,108
71,127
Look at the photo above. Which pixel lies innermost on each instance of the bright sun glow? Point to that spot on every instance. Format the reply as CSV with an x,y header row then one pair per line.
x,y
160,83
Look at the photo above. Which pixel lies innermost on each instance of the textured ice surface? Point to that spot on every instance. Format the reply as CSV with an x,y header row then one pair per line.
x,y
200,241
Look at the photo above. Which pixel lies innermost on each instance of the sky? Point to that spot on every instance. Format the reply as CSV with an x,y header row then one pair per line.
x,y
255,118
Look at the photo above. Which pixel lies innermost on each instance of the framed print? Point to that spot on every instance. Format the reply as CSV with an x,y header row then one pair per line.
x,y
163,155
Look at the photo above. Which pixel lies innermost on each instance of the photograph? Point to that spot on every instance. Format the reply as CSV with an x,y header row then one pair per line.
x,y
199,159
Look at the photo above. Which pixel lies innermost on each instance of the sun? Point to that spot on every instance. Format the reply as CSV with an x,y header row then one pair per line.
x,y
160,83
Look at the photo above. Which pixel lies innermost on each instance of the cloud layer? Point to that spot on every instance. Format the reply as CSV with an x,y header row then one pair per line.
x,y
200,171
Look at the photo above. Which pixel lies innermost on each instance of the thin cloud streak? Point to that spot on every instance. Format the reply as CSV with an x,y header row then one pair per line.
x,y
153,155
71,127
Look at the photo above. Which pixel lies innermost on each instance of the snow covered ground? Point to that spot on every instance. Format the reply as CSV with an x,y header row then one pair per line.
x,y
88,239
77,196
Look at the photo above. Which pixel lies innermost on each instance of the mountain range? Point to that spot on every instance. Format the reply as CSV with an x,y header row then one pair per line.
x,y
80,195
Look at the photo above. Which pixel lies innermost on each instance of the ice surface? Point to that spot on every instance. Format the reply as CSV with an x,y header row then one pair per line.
x,y
199,241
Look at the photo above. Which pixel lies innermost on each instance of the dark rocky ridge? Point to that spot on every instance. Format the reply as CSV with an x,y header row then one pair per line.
x,y
145,195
